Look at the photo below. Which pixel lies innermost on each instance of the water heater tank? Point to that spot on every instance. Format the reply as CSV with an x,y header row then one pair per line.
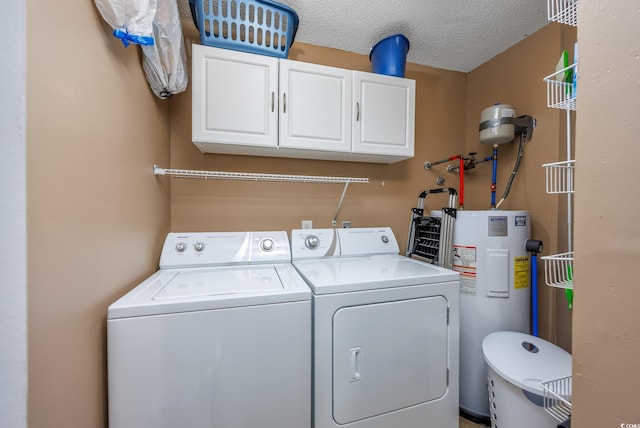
x,y
494,124
489,253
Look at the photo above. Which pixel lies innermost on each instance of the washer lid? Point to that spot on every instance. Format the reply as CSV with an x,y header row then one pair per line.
x,y
212,282
346,274
197,289
525,360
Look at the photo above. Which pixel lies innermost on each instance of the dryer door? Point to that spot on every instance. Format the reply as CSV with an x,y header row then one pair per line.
x,y
388,356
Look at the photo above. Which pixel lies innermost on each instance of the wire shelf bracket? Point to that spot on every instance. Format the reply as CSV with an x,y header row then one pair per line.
x,y
250,176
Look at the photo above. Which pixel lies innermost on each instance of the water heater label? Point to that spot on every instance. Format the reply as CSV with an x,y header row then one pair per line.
x,y
498,226
464,262
521,272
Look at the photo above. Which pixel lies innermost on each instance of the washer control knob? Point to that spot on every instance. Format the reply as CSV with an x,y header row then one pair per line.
x,y
385,239
198,246
180,247
312,242
267,244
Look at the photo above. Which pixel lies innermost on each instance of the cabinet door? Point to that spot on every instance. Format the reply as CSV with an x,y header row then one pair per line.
x,y
315,107
234,98
384,121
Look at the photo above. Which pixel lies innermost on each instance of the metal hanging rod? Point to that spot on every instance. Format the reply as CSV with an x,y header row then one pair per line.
x,y
248,176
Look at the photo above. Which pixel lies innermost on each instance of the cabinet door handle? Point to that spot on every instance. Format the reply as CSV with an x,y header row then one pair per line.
x,y
284,103
273,101
357,112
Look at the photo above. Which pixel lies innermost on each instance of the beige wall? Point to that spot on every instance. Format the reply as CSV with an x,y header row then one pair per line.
x,y
516,77
606,334
96,215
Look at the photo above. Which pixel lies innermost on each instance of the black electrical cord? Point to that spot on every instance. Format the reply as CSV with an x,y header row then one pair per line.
x,y
516,167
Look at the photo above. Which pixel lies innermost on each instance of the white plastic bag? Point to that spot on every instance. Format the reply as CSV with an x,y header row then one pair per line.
x,y
165,62
155,26
131,20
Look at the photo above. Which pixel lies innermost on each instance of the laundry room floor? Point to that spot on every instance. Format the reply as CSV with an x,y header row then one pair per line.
x,y
466,423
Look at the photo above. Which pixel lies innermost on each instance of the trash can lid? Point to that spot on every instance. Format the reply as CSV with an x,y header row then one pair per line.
x,y
525,360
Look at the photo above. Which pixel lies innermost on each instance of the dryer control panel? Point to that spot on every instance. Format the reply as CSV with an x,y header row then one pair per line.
x,y
367,241
223,248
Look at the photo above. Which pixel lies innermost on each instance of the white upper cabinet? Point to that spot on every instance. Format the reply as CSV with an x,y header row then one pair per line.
x,y
315,107
385,115
235,98
259,105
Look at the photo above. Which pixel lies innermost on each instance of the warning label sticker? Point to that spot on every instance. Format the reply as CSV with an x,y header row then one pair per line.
x,y
520,272
464,262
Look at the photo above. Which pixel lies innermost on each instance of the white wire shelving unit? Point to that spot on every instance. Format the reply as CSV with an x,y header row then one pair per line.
x,y
250,176
559,177
561,94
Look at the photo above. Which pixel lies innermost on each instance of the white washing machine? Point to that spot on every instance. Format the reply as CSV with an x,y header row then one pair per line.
x,y
220,336
385,331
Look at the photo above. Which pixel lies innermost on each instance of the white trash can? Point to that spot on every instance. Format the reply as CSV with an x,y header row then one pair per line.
x,y
516,364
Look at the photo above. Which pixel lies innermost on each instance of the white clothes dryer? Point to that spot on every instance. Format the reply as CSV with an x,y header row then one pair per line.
x,y
385,331
220,336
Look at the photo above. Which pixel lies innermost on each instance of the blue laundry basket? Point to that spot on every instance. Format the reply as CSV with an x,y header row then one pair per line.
x,y
256,26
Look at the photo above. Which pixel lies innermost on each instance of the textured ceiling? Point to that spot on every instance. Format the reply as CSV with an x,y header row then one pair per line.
x,y
454,35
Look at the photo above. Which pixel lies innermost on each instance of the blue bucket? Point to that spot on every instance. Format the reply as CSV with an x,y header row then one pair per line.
x,y
389,55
